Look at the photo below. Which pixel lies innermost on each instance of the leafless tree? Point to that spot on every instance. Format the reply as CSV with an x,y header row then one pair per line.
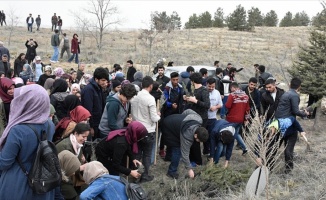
x,y
12,23
102,17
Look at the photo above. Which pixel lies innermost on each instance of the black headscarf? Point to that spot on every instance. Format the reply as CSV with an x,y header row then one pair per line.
x,y
71,102
59,85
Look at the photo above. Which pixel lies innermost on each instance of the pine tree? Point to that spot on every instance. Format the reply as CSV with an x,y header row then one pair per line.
x,y
193,22
175,20
237,19
255,18
205,20
320,18
301,19
287,20
271,19
219,18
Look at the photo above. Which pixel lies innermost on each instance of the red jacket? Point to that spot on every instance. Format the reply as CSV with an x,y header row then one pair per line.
x,y
238,107
75,46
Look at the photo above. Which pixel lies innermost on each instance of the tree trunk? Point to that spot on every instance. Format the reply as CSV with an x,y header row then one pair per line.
x,y
320,120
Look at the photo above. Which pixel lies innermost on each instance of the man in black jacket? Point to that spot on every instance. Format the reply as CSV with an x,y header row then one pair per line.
x,y
131,71
287,107
30,22
161,78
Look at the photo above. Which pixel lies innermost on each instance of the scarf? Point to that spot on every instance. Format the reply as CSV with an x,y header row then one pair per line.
x,y
59,85
77,115
76,146
94,170
71,102
5,84
134,132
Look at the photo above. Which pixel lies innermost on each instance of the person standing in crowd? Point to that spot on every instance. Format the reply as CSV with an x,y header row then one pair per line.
x,y
254,96
38,68
73,75
74,49
4,63
216,63
19,63
111,151
161,78
289,107
59,24
226,83
57,96
199,103
47,74
92,98
263,76
30,22
55,42
131,71
80,70
116,111
3,18
27,74
6,96
4,50
143,109
31,46
54,21
185,79
238,112
65,46
181,131
138,77
19,141
38,22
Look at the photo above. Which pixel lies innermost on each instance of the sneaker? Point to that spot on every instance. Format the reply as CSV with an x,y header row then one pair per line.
x,y
244,152
174,176
146,178
52,61
162,153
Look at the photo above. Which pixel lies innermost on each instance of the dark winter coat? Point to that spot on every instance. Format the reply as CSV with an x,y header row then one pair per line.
x,y
4,50
4,68
268,103
162,81
18,66
130,74
289,105
203,104
31,50
92,100
56,100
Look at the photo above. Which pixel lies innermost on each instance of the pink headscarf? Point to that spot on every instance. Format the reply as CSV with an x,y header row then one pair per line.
x,y
36,108
134,132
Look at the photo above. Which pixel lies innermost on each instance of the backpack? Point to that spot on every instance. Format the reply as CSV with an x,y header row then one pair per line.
x,y
134,191
45,174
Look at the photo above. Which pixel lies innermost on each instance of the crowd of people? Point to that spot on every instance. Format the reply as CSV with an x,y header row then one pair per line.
x,y
120,114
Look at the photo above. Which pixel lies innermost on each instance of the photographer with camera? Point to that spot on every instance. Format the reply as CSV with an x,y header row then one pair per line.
x,y
31,46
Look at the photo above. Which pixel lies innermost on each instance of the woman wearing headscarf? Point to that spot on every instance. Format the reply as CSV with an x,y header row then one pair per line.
x,y
58,72
6,95
19,141
19,63
26,74
48,85
57,96
75,88
101,184
69,164
45,76
118,144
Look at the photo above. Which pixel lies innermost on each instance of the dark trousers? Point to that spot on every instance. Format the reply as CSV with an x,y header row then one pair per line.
x,y
289,142
145,147
195,152
54,26
29,27
175,159
209,127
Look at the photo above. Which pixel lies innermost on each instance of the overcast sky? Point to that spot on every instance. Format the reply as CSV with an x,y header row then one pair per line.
x,y
136,14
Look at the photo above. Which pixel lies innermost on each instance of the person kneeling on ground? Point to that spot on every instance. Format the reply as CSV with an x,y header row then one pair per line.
x,y
118,144
221,141
101,184
180,131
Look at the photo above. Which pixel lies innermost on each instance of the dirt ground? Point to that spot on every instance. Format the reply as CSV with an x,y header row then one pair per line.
x,y
307,180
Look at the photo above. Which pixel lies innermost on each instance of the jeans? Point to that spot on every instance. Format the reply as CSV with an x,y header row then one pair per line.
x,y
209,127
105,187
38,26
223,109
29,27
55,55
219,152
74,55
237,136
175,159
145,147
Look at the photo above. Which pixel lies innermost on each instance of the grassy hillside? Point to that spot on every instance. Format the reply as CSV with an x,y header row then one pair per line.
x,y
273,47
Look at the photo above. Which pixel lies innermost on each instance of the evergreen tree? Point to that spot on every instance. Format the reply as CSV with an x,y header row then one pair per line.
x,y
175,20
160,20
237,19
320,19
255,18
301,19
193,22
219,18
287,20
271,19
205,20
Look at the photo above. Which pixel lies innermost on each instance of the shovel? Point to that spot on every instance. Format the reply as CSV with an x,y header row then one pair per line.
x,y
308,148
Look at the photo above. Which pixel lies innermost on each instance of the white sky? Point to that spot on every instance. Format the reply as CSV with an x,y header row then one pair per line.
x,y
136,14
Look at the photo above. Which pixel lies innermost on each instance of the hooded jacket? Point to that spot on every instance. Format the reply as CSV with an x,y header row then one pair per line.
x,y
56,100
179,130
114,115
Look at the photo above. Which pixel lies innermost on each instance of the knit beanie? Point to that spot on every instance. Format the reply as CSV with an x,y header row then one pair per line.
x,y
115,83
138,76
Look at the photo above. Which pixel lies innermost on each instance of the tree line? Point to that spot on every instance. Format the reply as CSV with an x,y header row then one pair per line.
x,y
238,20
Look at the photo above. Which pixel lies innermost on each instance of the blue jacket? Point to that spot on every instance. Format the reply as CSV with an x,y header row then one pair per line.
x,y
92,100
21,142
105,187
215,138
